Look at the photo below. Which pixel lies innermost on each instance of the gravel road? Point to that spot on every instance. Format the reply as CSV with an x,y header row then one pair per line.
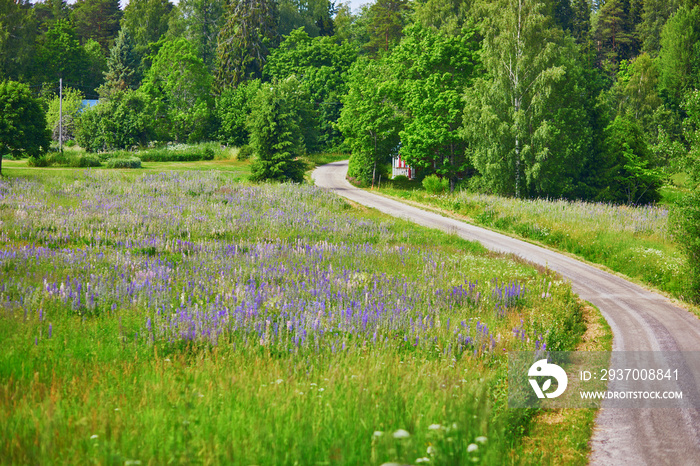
x,y
640,320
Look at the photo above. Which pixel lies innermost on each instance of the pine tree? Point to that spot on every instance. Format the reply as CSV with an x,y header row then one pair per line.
x,y
244,41
121,66
655,15
387,19
97,20
615,34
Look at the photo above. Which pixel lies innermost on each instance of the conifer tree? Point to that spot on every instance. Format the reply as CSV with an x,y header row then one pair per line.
x,y
121,66
244,41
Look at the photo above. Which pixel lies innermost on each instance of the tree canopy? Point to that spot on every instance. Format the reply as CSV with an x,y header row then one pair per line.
x,y
22,122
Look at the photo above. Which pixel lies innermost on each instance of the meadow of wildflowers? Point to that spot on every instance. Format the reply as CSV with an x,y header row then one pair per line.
x,y
633,240
182,317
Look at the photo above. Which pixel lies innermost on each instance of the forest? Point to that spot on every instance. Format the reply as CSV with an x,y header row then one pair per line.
x,y
528,98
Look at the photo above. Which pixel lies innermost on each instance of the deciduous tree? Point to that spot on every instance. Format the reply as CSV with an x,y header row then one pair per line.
x,y
22,122
69,110
679,59
525,121
202,20
370,120
433,69
233,107
18,29
146,21
321,65
179,85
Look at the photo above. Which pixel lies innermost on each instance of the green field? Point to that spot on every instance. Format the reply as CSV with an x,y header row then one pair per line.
x,y
157,316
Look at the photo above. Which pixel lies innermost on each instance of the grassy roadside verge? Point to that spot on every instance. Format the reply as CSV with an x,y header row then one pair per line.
x,y
562,436
634,241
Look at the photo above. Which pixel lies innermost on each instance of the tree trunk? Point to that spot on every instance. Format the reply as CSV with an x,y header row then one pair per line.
x,y
452,164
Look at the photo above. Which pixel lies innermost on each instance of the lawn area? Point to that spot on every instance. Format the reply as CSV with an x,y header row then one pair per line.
x,y
634,241
179,316
238,169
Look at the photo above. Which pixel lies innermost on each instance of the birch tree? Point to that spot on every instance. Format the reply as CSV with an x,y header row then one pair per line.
x,y
524,121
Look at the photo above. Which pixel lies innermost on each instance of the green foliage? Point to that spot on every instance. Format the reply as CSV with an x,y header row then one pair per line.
x,y
370,121
630,176
321,65
435,185
245,153
122,66
526,121
146,21
179,86
97,20
72,104
18,30
244,41
275,135
679,58
60,55
22,122
686,222
315,16
691,131
64,159
189,154
201,22
654,17
95,67
233,107
616,33
122,122
130,162
432,70
387,19
448,17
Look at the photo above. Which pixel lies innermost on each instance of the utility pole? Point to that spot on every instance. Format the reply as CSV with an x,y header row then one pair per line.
x,y
60,114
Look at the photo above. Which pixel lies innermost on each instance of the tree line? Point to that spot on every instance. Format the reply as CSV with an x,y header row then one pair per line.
x,y
588,99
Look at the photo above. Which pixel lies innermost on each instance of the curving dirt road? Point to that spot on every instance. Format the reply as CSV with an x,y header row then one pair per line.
x,y
640,321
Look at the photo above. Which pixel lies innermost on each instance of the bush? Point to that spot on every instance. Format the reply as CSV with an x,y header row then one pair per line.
x,y
122,122
88,160
245,153
37,161
131,162
69,143
435,185
686,223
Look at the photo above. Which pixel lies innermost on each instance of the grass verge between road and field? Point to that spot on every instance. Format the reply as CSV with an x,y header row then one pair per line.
x,y
183,317
633,241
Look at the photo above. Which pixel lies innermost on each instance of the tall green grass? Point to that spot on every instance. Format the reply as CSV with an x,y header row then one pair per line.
x,y
632,240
